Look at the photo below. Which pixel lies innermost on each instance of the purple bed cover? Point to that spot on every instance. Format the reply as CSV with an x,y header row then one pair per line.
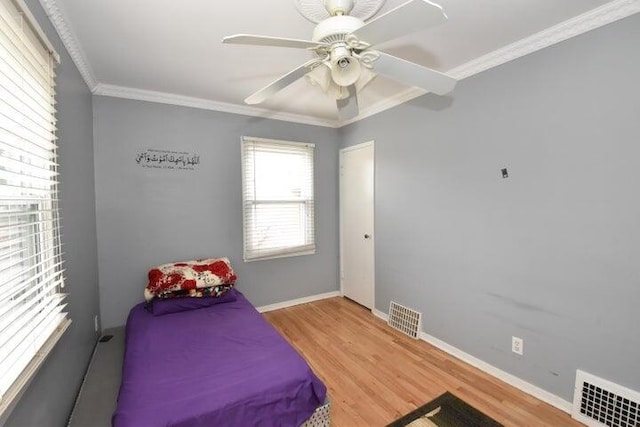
x,y
223,365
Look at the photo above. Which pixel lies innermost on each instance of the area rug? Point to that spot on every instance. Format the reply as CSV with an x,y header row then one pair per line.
x,y
445,411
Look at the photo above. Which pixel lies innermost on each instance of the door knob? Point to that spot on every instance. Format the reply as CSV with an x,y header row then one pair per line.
x,y
366,236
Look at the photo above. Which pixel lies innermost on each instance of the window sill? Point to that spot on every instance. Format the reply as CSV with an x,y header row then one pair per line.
x,y
14,393
286,255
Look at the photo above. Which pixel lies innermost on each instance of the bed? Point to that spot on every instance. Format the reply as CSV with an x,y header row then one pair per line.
x,y
219,365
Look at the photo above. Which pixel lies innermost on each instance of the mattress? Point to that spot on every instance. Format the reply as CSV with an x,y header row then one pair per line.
x,y
222,365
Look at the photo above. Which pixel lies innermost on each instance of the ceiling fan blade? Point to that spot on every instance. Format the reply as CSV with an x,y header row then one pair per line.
x,y
256,40
414,74
348,107
282,82
405,19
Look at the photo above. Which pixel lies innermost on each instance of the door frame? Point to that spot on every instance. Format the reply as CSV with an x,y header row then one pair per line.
x,y
341,217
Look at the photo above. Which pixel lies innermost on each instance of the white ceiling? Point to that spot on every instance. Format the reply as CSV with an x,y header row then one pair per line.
x,y
174,47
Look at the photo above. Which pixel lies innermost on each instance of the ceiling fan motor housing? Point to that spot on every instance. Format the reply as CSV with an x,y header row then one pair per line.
x,y
335,28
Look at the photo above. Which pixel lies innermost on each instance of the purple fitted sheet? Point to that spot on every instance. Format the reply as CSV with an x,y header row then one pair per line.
x,y
222,365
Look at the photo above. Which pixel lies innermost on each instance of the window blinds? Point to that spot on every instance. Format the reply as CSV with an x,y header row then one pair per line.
x,y
278,202
31,274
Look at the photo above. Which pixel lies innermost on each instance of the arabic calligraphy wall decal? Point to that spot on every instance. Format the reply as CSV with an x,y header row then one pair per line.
x,y
166,159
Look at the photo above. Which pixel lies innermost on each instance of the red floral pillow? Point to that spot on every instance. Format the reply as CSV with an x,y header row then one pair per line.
x,y
188,275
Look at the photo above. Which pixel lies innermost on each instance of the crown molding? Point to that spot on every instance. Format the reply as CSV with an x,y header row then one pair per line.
x,y
205,104
70,40
573,27
603,15
588,21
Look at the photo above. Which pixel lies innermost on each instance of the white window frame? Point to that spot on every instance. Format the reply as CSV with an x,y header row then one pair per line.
x,y
31,269
252,251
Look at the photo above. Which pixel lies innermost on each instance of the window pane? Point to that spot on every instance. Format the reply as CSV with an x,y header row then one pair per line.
x,y
278,199
278,225
281,176
31,274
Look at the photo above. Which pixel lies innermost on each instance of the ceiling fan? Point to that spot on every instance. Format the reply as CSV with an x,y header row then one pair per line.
x,y
345,59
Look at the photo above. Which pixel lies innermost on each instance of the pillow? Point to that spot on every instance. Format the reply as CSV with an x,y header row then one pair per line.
x,y
211,291
188,275
159,307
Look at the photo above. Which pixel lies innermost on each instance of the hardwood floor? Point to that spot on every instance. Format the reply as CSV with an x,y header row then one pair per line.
x,y
375,374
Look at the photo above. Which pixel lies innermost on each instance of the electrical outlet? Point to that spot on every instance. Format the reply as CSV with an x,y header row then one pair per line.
x,y
517,345
95,322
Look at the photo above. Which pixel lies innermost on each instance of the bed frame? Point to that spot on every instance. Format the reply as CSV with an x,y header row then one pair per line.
x,y
321,417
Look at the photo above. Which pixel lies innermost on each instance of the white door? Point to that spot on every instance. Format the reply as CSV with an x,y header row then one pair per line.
x,y
356,223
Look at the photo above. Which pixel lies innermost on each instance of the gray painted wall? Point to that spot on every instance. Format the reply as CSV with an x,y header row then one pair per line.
x,y
49,399
549,254
152,216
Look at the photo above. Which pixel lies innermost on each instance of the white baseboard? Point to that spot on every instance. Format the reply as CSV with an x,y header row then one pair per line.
x,y
508,378
380,314
291,303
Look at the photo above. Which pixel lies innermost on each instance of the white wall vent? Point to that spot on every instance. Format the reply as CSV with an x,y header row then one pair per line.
x,y
598,402
405,319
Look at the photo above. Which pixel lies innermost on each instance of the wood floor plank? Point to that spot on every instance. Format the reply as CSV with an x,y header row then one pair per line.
x,y
375,374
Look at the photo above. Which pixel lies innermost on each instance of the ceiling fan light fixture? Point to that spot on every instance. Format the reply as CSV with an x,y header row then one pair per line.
x,y
341,92
320,76
345,69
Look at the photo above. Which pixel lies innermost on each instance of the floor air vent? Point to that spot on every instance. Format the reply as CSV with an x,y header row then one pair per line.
x,y
404,319
598,402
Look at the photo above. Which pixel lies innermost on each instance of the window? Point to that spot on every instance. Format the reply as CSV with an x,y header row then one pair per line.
x,y
31,274
277,198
